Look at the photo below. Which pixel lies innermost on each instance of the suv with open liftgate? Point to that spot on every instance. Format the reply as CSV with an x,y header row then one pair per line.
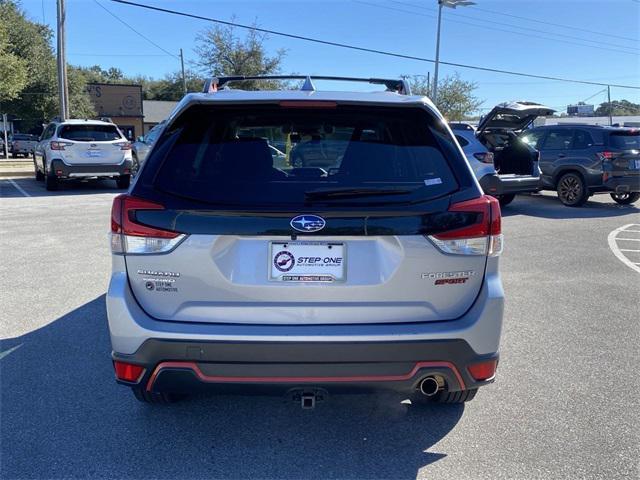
x,y
377,270
580,160
511,166
81,149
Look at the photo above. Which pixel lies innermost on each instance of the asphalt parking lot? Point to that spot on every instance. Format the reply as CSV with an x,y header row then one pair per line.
x,y
565,404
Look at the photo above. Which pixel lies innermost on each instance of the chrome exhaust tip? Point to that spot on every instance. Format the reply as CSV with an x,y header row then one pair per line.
x,y
429,386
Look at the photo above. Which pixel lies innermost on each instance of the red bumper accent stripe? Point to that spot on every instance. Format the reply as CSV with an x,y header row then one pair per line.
x,y
365,378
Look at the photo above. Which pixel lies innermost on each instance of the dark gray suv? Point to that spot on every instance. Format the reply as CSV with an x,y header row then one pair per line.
x,y
580,160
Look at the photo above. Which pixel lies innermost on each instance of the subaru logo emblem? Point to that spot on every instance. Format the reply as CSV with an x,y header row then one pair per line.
x,y
307,223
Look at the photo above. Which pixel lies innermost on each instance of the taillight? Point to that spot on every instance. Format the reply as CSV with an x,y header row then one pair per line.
x,y
124,145
130,237
483,237
606,155
59,145
128,371
486,157
483,370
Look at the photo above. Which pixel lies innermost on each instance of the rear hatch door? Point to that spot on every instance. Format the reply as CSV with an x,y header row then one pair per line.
x,y
347,243
624,153
515,116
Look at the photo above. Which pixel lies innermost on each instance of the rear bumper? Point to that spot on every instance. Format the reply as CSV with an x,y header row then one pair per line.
x,y
506,184
627,184
281,366
64,170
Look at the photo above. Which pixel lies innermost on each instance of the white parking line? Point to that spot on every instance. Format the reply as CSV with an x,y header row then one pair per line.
x,y
617,251
18,187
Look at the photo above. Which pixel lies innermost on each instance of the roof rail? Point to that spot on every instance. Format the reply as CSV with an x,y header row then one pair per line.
x,y
398,85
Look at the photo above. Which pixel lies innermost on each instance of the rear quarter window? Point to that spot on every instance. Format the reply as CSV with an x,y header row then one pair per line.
x,y
224,155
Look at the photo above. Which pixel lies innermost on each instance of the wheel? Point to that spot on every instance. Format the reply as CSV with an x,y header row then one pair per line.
x,y
626,198
123,181
135,165
50,183
39,174
506,199
571,190
158,398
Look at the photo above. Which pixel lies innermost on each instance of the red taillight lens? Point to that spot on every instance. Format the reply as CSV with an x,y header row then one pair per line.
x,y
127,371
486,157
124,146
59,145
129,236
123,217
483,237
483,370
606,155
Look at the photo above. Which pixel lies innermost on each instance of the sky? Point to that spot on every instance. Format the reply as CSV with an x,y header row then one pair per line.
x,y
595,40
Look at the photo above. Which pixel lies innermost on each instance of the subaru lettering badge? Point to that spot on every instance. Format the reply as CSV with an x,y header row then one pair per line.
x,y
307,223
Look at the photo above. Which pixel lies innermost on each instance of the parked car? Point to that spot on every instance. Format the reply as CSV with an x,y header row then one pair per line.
x,y
513,166
23,144
140,148
379,272
581,160
82,149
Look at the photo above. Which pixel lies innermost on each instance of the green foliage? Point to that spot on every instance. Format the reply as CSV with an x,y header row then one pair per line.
x,y
455,98
222,52
13,69
618,107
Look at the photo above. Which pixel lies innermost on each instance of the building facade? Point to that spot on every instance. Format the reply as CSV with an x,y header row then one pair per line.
x,y
122,103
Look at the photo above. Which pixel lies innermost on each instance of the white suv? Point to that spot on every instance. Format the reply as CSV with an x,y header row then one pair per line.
x,y
82,149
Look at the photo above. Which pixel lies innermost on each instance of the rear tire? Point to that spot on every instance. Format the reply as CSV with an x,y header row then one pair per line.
x,y
156,398
572,190
135,165
50,183
626,198
506,199
123,181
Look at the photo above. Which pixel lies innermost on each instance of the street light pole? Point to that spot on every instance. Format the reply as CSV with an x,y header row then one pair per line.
x,y
609,102
435,73
184,79
63,93
450,4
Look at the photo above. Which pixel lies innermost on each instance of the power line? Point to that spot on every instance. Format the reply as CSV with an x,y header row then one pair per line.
x,y
133,29
121,54
364,49
457,14
544,22
495,29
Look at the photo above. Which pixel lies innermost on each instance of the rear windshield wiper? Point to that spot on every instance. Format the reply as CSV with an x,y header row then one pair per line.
x,y
351,192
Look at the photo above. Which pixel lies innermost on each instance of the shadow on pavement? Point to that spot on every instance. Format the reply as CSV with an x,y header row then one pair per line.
x,y
64,416
69,187
548,206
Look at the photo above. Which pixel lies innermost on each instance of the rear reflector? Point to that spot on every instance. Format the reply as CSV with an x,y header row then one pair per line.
x,y
483,370
130,236
483,237
127,371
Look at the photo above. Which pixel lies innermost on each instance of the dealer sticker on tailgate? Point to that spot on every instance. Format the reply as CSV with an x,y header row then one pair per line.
x,y
307,262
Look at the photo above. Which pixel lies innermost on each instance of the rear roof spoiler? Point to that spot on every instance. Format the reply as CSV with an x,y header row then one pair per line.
x,y
400,85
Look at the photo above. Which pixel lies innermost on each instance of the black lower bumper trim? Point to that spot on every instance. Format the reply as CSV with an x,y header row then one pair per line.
x,y
506,184
62,170
335,366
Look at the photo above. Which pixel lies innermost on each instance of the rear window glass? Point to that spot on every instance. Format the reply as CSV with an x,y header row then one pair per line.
x,y
269,155
625,140
28,138
89,133
462,141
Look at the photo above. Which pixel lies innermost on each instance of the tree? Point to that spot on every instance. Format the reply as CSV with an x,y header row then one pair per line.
x,y
618,107
222,52
37,100
455,98
13,69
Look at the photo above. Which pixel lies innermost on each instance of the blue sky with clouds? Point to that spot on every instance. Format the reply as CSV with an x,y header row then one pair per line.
x,y
595,40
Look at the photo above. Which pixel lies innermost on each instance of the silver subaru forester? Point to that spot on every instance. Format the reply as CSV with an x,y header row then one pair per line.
x,y
362,257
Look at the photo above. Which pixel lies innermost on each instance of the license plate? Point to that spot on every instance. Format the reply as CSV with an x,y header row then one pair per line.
x,y
307,262
94,153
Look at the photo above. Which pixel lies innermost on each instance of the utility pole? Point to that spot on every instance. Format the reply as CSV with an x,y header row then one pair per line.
x,y
4,130
435,73
63,93
610,108
184,79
